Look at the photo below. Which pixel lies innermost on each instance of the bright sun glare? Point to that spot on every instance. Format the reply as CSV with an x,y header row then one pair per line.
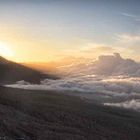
x,y
5,50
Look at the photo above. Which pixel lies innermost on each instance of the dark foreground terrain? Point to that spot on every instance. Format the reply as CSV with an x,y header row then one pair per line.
x,y
20,72
45,115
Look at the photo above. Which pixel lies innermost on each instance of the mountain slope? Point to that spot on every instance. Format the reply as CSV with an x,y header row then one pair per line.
x,y
11,72
51,115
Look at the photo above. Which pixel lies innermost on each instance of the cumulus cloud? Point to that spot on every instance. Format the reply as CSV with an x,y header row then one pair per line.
x,y
108,65
116,65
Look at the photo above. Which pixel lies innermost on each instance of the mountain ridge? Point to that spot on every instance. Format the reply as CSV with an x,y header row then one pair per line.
x,y
11,72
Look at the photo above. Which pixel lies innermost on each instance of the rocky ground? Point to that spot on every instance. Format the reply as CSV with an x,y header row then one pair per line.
x,y
47,115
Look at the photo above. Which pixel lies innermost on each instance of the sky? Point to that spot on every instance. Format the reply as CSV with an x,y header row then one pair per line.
x,y
48,30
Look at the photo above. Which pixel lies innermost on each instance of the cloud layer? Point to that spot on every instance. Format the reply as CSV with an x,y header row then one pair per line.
x,y
108,65
103,89
111,80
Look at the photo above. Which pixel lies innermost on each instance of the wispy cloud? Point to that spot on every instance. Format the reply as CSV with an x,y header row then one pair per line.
x,y
134,17
128,38
129,44
128,15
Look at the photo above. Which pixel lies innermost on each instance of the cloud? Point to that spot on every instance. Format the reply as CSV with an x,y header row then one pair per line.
x,y
116,65
132,104
98,48
110,80
119,91
124,44
128,45
129,38
134,17
111,74
107,65
128,15
113,86
93,50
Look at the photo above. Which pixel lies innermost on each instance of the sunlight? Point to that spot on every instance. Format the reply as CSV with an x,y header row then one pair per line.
x,y
5,50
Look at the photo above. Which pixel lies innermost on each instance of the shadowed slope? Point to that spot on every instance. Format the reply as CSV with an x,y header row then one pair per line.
x,y
48,115
11,72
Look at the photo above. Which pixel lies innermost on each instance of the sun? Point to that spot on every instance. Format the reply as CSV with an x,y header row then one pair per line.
x,y
5,50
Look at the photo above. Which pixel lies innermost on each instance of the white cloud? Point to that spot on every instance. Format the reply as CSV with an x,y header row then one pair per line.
x,y
134,17
129,45
129,38
132,104
107,90
106,65
128,15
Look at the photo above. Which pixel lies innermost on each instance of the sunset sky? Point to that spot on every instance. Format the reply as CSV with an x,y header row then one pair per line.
x,y
47,30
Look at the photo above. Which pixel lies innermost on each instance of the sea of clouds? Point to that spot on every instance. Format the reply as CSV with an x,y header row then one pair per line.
x,y
112,81
119,91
